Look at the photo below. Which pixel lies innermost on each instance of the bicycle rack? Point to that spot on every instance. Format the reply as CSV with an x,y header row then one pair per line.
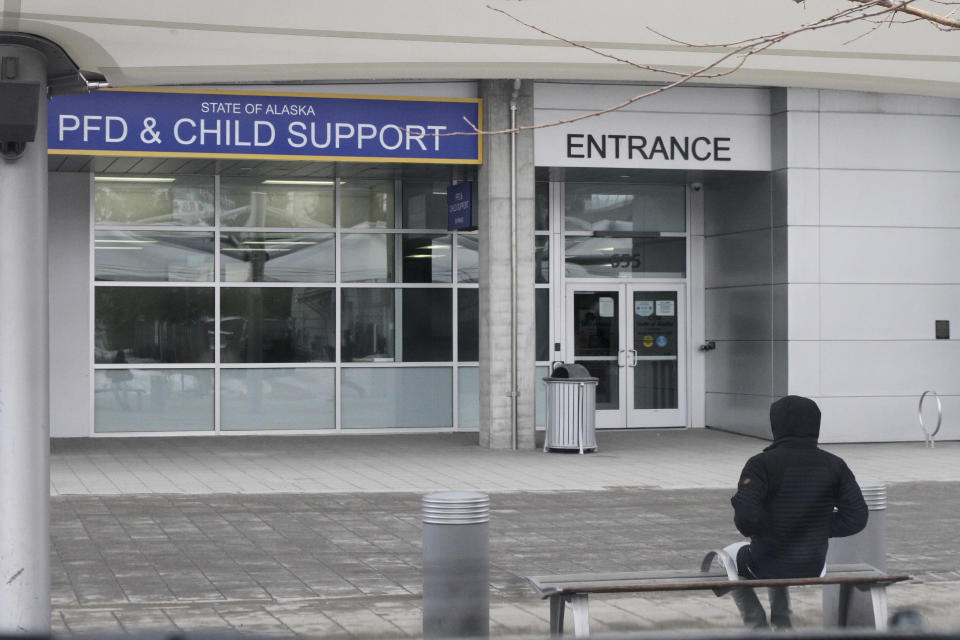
x,y
928,436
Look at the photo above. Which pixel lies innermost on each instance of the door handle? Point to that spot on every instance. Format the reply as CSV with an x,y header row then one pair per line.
x,y
621,361
633,358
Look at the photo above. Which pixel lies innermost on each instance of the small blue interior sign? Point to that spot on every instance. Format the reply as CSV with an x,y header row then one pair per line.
x,y
460,207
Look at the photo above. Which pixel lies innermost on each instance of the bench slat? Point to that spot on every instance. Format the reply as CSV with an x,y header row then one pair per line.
x,y
646,581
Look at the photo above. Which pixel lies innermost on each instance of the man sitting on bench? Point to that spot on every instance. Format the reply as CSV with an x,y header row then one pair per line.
x,y
790,499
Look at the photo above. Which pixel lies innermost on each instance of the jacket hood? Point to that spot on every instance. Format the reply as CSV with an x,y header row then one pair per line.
x,y
794,417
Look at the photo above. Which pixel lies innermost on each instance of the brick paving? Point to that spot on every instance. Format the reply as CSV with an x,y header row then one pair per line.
x,y
346,564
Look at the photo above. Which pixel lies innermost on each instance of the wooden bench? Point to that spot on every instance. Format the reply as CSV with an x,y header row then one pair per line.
x,y
576,588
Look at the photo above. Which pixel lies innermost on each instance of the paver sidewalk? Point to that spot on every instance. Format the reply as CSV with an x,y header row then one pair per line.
x,y
282,553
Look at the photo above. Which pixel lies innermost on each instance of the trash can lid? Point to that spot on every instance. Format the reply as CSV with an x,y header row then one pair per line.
x,y
571,371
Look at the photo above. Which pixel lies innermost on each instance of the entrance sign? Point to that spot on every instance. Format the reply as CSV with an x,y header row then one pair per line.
x,y
645,140
264,125
460,206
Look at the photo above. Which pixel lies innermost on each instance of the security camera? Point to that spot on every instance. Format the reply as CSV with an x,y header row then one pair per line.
x,y
696,186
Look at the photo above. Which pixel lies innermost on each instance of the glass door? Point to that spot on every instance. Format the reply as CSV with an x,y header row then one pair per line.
x,y
631,337
656,357
595,329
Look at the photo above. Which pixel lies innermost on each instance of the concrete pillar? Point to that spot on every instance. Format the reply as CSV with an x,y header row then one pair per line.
x,y
496,430
24,375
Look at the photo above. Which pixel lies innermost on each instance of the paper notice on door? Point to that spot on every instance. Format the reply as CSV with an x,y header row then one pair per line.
x,y
643,307
666,308
605,307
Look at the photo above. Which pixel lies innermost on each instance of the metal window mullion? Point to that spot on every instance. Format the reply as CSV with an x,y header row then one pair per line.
x,y
91,279
160,228
337,302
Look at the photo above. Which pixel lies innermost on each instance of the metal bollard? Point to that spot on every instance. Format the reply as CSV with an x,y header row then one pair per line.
x,y
456,565
867,546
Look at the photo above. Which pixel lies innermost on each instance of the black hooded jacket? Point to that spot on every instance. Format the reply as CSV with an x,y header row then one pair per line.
x,y
793,496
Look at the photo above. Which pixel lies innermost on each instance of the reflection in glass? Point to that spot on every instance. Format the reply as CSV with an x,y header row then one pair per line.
x,y
367,325
542,204
367,257
541,259
541,394
468,397
411,397
596,342
426,258
588,257
424,205
542,318
468,325
277,324
154,255
366,204
427,325
252,399
625,207
249,202
277,257
153,324
153,400
468,258
153,200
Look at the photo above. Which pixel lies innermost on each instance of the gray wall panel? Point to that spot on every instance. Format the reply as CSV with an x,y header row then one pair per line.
x,y
889,198
889,141
888,311
862,102
738,260
881,368
70,331
739,313
889,255
749,415
882,419
741,367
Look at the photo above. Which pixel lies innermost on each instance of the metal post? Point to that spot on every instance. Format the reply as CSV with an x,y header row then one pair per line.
x,y
24,371
456,566
867,546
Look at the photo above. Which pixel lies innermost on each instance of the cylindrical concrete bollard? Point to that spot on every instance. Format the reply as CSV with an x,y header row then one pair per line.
x,y
867,546
456,565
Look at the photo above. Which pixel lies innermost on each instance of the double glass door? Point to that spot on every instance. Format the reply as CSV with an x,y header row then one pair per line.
x,y
632,338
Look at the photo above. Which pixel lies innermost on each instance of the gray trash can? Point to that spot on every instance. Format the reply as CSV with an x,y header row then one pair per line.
x,y
571,409
867,546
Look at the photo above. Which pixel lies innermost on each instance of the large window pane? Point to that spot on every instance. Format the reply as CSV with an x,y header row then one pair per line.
x,y
542,204
153,324
468,325
426,258
542,301
367,325
468,258
411,397
427,325
153,200
424,205
625,207
541,259
276,203
368,257
468,397
253,399
277,324
589,257
154,255
277,257
367,203
153,400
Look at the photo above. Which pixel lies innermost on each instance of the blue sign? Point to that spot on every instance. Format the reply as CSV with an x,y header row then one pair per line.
x,y
661,341
460,206
281,126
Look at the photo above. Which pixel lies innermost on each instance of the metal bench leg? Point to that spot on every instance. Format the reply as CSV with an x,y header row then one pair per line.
x,y
878,594
581,615
556,615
